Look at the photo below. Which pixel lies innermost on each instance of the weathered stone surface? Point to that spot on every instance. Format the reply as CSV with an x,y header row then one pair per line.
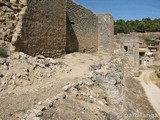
x,y
43,33
110,75
67,87
102,71
38,110
2,61
95,67
8,19
37,113
105,32
88,82
132,52
82,29
48,104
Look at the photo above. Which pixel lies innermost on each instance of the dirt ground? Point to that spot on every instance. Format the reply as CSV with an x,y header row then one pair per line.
x,y
151,90
19,100
15,103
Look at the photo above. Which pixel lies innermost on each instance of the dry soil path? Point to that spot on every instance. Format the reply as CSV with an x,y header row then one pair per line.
x,y
151,90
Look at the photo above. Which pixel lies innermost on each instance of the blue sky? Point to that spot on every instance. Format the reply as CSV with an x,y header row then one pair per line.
x,y
125,9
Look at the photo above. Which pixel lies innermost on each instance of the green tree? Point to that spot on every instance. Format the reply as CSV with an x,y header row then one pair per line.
x,y
141,27
144,25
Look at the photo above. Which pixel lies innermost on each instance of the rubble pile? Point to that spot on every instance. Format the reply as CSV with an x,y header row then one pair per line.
x,y
20,69
101,93
110,75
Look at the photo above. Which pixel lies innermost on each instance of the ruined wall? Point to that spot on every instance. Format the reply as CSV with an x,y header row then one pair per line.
x,y
43,28
82,29
53,28
105,32
7,20
10,12
130,48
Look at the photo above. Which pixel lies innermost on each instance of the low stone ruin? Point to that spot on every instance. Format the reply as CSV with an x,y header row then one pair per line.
x,y
103,87
20,69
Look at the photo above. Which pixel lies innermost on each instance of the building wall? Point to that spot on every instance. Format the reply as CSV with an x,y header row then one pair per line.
x,y
105,32
82,29
43,28
145,61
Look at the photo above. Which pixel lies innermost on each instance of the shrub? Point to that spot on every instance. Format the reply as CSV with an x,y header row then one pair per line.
x,y
3,52
148,41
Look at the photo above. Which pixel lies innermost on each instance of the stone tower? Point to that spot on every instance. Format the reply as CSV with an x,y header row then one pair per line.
x,y
105,32
130,48
82,29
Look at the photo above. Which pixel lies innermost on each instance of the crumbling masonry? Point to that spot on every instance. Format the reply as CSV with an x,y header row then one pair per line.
x,y
53,28
130,49
105,32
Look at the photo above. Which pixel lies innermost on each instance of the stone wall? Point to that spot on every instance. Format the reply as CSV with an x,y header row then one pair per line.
x,y
9,18
82,29
105,32
53,28
130,48
43,28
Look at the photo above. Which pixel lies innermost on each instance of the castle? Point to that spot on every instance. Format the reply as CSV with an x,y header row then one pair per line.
x,y
55,27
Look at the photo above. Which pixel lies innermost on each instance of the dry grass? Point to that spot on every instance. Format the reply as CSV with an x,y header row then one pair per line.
x,y
155,79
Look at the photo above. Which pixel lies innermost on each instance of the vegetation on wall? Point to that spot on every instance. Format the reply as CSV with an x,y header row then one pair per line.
x,y
3,52
149,41
144,25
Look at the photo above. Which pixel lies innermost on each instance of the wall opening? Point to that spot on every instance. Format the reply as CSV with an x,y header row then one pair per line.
x,y
72,23
140,62
141,54
126,48
84,50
